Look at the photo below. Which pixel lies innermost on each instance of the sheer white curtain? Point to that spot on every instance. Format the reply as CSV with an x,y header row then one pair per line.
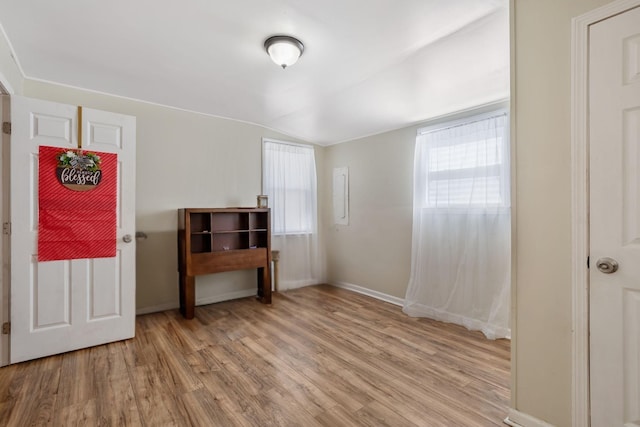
x,y
461,246
289,180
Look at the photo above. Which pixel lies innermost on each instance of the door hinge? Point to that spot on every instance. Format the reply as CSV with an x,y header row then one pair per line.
x,y
6,228
6,128
6,328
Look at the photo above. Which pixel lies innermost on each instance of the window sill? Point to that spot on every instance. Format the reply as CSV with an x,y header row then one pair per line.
x,y
293,233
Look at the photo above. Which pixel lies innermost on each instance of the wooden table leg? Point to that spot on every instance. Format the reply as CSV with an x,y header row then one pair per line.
x,y
275,256
187,296
264,285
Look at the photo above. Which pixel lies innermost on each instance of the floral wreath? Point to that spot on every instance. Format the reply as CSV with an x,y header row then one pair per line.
x,y
80,160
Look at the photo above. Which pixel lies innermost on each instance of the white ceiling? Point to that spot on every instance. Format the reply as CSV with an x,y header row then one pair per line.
x,y
369,65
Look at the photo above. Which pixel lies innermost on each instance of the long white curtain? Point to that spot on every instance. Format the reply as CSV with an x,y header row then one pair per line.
x,y
461,246
289,181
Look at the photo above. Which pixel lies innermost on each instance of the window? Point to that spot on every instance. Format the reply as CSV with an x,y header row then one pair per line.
x,y
289,179
465,163
461,238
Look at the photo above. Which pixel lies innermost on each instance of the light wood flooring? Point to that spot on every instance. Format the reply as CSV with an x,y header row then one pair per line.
x,y
319,356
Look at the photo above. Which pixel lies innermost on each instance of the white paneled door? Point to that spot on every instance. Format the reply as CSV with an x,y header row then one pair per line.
x,y
58,306
614,90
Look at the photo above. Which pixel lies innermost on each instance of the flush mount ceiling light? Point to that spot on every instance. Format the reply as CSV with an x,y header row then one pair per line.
x,y
284,50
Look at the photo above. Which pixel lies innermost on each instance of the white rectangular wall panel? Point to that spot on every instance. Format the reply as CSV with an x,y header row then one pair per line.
x,y
631,316
104,292
44,126
104,134
631,184
341,196
51,293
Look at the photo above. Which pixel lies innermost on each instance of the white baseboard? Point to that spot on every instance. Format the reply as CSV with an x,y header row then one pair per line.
x,y
200,301
365,291
283,287
520,419
157,308
250,292
226,297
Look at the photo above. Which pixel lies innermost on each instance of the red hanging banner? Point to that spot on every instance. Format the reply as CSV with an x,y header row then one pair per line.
x,y
77,201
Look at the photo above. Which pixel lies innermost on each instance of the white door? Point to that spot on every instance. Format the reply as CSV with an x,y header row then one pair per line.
x,y
614,103
58,306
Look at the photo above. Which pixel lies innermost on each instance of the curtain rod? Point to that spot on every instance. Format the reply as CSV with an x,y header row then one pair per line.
x,y
293,144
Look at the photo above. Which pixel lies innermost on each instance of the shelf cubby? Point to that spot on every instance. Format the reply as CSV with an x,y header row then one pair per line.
x,y
200,222
230,221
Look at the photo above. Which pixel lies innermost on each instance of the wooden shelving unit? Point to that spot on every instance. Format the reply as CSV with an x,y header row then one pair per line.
x,y
222,239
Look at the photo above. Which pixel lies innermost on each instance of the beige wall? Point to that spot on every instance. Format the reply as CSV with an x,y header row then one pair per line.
x,y
543,201
374,250
10,75
183,160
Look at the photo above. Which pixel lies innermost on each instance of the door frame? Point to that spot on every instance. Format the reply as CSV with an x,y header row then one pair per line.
x,y
5,92
580,202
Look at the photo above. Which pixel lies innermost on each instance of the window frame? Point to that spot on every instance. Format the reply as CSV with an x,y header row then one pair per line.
x,y
470,117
